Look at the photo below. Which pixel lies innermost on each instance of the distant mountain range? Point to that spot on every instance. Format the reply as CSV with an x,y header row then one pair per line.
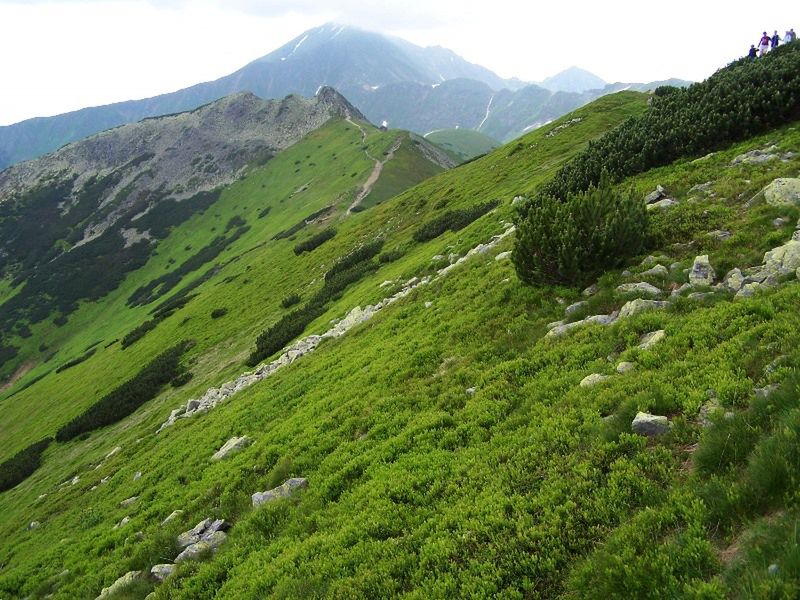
x,y
388,79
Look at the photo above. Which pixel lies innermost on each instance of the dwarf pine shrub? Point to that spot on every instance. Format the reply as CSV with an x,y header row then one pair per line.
x,y
574,241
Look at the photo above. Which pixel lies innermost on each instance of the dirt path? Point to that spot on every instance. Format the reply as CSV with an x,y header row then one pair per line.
x,y
376,171
18,374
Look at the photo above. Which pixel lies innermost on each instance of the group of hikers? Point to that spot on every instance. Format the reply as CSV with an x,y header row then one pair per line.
x,y
767,43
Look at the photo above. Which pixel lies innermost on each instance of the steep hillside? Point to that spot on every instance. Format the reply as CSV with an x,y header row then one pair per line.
x,y
252,280
462,144
416,422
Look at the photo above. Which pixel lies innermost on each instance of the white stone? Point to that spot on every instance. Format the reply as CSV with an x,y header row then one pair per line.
x,y
634,307
701,273
783,192
642,288
649,340
286,489
625,367
593,379
232,446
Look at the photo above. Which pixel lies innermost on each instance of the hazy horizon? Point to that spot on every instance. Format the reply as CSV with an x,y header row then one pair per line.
x,y
71,54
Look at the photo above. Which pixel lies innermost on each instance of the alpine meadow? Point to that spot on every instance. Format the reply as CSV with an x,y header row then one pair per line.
x,y
266,349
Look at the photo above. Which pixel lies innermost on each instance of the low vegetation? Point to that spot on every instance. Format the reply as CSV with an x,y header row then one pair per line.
x,y
315,241
452,220
20,466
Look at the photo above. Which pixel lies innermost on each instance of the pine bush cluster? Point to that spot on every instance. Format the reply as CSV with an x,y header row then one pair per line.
x,y
573,241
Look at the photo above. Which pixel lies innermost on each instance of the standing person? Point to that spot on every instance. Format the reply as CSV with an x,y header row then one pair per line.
x,y
763,44
753,52
776,39
787,37
794,36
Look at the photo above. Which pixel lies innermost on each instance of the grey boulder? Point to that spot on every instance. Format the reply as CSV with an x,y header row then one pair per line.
x,y
649,425
286,489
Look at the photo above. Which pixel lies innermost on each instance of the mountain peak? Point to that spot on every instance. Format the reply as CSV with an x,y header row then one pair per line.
x,y
573,79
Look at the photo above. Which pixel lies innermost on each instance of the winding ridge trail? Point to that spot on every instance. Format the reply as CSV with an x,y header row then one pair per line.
x,y
376,171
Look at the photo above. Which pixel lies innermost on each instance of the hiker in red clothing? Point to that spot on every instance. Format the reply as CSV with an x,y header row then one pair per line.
x,y
763,45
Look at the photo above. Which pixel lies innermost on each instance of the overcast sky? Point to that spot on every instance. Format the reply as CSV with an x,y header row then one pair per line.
x,y
61,55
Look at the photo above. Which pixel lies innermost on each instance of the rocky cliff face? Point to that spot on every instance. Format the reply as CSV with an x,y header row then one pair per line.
x,y
174,156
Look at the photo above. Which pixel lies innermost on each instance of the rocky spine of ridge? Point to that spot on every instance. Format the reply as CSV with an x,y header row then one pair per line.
x,y
177,155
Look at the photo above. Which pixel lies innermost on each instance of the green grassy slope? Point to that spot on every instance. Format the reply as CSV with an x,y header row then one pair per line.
x,y
463,144
326,169
449,448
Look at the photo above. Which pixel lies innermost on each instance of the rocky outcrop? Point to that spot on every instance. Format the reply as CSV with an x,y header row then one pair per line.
x,y
649,425
231,447
121,583
593,379
202,532
577,306
160,572
648,340
783,192
563,328
285,490
177,155
635,307
642,288
215,396
657,271
701,273
625,367
173,515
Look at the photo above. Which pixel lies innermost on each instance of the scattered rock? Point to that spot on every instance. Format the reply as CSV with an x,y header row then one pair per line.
x,y
214,396
649,340
783,192
198,549
573,308
105,479
173,515
137,476
286,489
113,452
773,569
634,307
766,391
593,379
719,234
664,204
657,271
437,258
748,290
560,330
701,273
734,280
555,324
470,391
700,296
625,367
121,583
783,260
642,288
651,260
518,200
128,501
386,283
779,222
34,525
122,523
708,408
590,291
231,447
41,497
775,364
655,195
161,572
503,255
428,304
754,157
701,188
650,425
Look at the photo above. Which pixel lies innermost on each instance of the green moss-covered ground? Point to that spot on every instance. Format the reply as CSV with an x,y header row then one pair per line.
x,y
449,449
